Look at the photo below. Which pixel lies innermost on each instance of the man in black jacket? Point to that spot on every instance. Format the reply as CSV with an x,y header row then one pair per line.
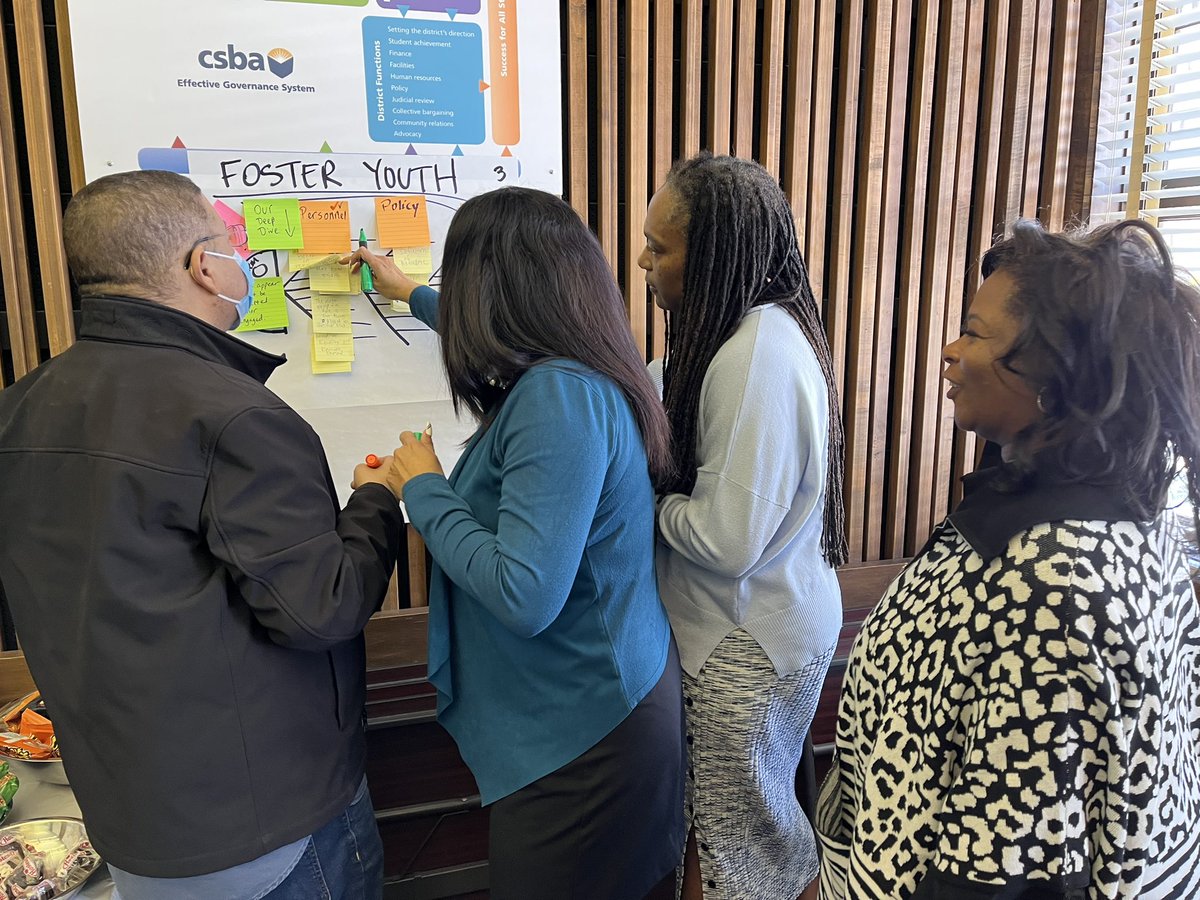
x,y
189,597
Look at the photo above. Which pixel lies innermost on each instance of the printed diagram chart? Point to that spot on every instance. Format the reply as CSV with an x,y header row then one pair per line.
x,y
376,195
309,122
426,80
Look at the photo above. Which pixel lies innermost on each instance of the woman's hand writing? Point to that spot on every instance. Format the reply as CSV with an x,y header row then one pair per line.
x,y
389,280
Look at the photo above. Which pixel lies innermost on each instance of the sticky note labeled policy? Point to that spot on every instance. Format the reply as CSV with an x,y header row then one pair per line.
x,y
269,309
330,277
326,225
331,315
273,223
402,221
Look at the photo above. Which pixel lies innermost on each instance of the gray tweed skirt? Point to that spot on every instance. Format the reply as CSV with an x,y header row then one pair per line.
x,y
745,733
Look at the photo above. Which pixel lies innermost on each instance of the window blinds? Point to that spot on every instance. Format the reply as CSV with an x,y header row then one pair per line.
x,y
1148,136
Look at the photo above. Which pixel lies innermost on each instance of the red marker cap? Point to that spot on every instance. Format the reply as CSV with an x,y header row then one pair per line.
x,y
373,461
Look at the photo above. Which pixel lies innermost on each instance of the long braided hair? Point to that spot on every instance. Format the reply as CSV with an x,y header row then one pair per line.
x,y
742,252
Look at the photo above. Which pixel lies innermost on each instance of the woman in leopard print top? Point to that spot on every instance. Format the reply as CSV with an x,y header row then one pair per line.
x,y
1021,714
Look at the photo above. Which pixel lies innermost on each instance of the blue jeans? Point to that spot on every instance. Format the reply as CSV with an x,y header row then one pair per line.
x,y
343,861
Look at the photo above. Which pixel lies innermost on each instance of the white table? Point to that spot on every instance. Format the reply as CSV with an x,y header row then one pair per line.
x,y
39,800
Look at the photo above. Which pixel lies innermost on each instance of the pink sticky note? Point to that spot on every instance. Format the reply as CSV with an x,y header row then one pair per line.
x,y
235,224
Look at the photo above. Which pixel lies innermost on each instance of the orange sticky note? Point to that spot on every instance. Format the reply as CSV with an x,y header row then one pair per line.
x,y
402,221
326,226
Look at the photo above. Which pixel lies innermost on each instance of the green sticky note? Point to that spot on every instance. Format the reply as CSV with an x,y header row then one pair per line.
x,y
273,223
269,309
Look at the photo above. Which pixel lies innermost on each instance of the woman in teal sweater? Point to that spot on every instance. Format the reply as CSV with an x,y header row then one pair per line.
x,y
548,644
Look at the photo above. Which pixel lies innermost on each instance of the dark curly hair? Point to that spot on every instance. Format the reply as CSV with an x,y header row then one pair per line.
x,y
742,252
1109,335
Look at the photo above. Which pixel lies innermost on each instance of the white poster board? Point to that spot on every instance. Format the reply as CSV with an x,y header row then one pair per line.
x,y
331,100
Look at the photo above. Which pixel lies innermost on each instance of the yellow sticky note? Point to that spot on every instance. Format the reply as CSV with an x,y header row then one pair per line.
x,y
269,309
402,221
297,260
326,226
413,260
333,347
321,367
329,368
331,315
330,278
273,223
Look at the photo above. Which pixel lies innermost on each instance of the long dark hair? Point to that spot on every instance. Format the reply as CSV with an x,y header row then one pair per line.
x,y
742,252
523,281
1110,338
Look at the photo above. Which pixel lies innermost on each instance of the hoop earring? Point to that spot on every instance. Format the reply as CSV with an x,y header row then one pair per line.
x,y
1041,403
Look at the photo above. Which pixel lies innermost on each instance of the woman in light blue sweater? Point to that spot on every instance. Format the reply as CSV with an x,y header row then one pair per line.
x,y
750,527
548,644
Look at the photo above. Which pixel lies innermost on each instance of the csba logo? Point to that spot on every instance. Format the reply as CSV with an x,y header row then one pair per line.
x,y
280,61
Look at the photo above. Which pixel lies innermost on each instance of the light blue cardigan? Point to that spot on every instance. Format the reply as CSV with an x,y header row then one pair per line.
x,y
545,625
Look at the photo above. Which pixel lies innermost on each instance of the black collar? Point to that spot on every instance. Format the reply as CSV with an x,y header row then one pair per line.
x,y
128,320
988,518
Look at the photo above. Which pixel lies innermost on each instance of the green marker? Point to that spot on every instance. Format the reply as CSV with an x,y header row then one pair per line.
x,y
364,271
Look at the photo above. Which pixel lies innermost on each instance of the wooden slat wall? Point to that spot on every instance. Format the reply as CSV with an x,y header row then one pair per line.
x,y
39,111
21,343
905,132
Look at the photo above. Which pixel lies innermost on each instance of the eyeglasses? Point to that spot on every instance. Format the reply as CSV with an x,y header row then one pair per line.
x,y
235,233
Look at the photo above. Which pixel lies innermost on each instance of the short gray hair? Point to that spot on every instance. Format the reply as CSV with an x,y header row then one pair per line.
x,y
128,230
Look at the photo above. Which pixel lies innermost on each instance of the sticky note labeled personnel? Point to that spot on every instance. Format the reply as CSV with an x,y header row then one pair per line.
x,y
269,311
402,221
273,223
326,226
330,277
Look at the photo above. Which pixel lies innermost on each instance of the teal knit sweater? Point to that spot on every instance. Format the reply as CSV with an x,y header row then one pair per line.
x,y
545,625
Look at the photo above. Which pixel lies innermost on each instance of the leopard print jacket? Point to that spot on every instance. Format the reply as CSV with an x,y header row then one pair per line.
x,y
1025,726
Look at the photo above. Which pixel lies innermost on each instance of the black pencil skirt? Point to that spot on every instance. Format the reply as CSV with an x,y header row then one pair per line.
x,y
607,825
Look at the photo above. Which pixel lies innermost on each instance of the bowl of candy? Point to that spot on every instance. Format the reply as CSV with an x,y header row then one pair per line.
x,y
27,741
41,859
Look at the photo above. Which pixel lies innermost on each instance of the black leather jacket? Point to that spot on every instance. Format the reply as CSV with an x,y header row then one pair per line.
x,y
188,595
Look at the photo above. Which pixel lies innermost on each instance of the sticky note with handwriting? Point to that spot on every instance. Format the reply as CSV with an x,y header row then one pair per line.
x,y
297,260
333,347
326,226
269,309
331,314
402,221
414,261
273,223
325,367
330,277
